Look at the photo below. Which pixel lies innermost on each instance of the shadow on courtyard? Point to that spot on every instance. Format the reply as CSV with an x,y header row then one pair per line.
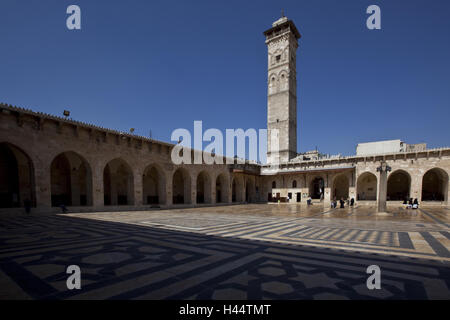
x,y
125,261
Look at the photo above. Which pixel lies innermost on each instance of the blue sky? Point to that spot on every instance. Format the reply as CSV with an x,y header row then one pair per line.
x,y
160,65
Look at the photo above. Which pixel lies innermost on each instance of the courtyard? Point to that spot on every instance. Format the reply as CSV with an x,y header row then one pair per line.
x,y
250,251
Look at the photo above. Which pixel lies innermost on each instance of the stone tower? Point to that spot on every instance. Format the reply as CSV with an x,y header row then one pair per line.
x,y
282,44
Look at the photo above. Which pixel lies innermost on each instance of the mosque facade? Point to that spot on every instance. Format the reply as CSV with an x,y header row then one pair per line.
x,y
46,161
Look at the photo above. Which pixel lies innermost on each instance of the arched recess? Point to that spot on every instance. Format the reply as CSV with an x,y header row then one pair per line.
x,y
17,183
435,185
316,188
181,187
237,189
71,180
398,185
203,187
221,188
340,187
250,190
118,183
366,188
154,185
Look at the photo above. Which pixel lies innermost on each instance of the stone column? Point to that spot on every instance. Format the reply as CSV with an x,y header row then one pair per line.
x,y
213,190
43,188
352,193
327,197
416,187
138,189
193,191
169,195
382,187
304,195
229,198
98,196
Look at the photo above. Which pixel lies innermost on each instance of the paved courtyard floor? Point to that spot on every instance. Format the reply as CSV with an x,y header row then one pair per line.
x,y
255,251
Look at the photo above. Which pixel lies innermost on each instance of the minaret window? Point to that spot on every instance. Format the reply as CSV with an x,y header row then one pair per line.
x,y
278,58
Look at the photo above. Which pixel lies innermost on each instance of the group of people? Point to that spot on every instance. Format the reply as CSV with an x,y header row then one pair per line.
x,y
410,204
350,202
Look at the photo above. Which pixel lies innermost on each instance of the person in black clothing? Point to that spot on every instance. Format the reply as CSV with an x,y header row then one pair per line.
x,y
416,204
352,202
63,208
342,203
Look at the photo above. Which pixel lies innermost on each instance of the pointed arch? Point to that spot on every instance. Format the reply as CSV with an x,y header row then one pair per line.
x,y
366,186
203,187
340,188
17,184
221,188
181,186
237,189
71,180
118,183
435,185
398,185
153,185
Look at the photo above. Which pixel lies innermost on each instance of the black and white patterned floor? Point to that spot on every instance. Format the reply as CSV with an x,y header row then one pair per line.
x,y
142,260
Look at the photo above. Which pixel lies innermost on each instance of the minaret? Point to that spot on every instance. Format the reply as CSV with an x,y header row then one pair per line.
x,y
282,44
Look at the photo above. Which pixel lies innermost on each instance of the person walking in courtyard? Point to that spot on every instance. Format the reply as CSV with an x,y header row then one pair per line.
x,y
352,202
342,202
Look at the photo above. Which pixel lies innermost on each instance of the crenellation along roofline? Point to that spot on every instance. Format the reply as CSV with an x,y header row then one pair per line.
x,y
43,115
78,123
353,158
356,158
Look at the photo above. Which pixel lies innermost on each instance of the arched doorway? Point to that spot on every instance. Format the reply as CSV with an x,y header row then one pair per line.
x,y
203,188
71,180
366,188
16,177
181,187
316,188
398,186
154,186
340,187
236,187
435,185
221,188
250,190
118,183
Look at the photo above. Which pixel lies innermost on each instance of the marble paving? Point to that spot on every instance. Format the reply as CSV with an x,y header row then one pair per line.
x,y
256,251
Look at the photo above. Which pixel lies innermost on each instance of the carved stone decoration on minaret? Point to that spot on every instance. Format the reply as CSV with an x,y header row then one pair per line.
x,y
281,41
